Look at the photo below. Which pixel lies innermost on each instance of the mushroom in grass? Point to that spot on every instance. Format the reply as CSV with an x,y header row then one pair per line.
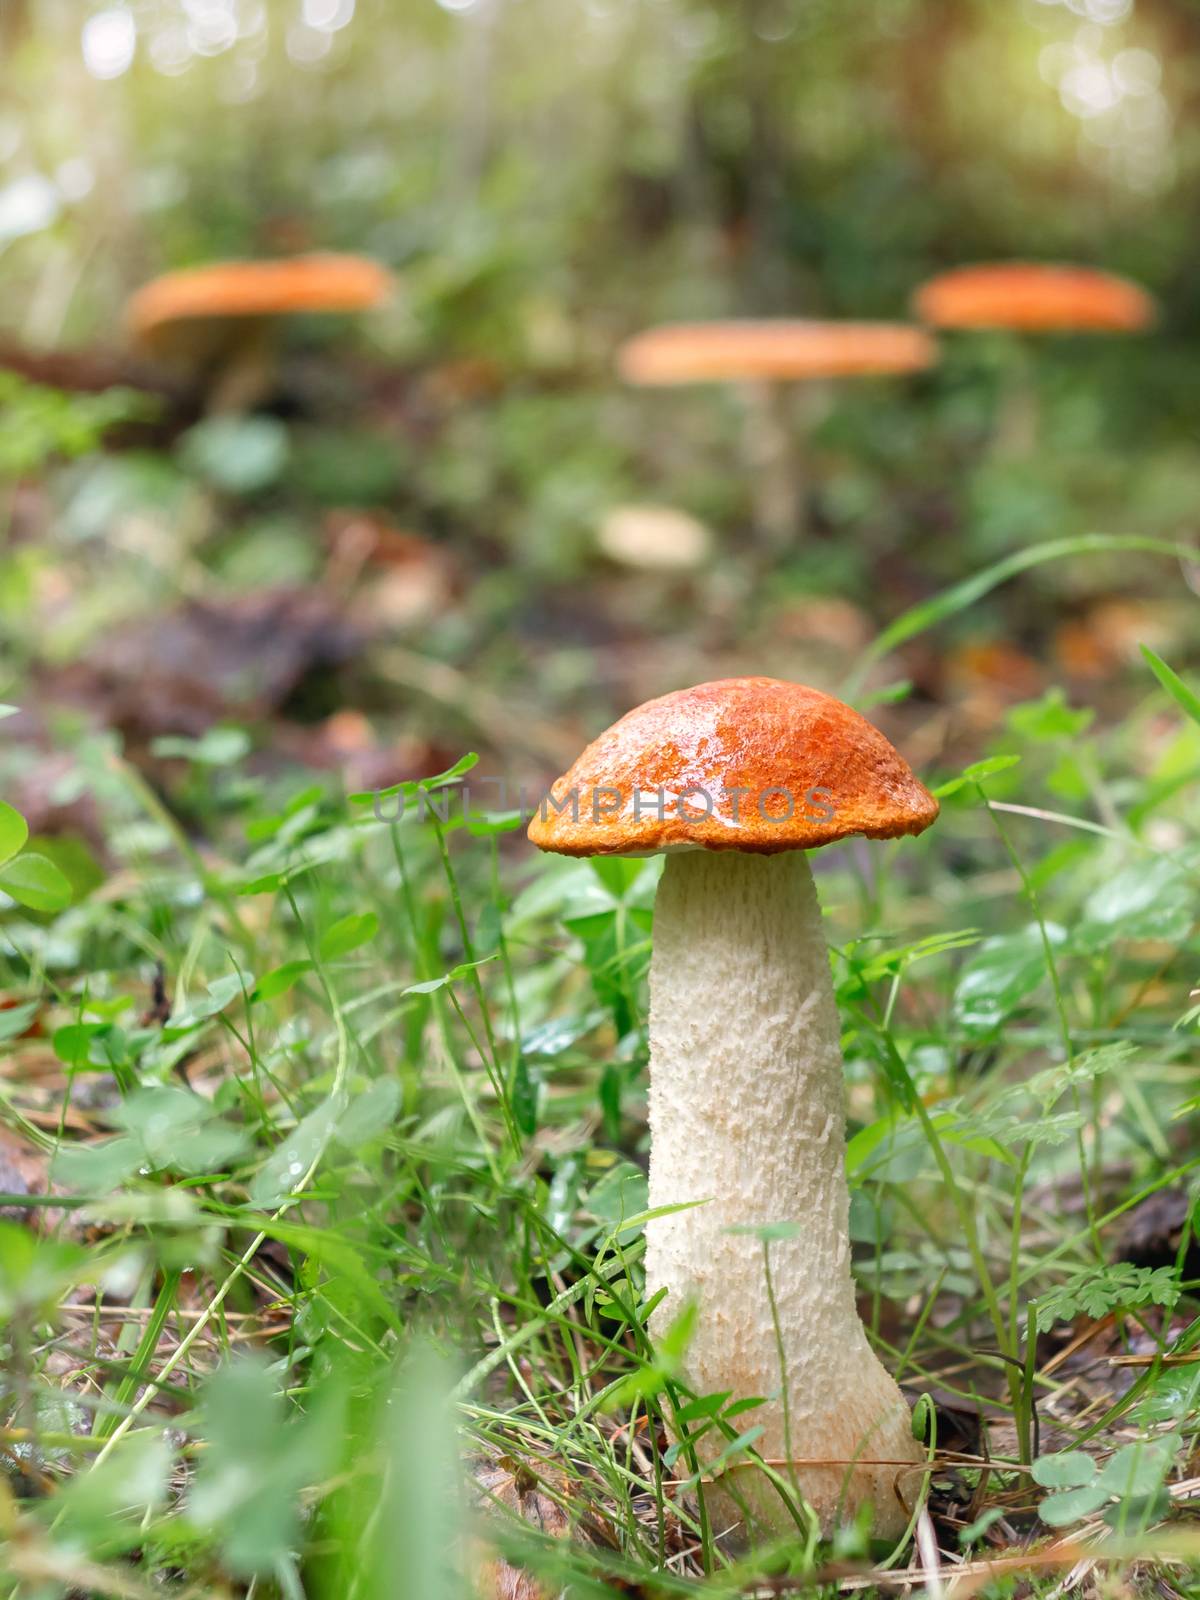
x,y
760,356
214,322
1032,297
733,781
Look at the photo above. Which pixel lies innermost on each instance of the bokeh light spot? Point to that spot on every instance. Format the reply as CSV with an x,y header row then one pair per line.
x,y
328,16
308,46
109,42
75,179
1137,71
27,205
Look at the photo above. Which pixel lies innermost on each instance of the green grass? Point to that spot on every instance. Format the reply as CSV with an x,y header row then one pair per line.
x,y
342,1275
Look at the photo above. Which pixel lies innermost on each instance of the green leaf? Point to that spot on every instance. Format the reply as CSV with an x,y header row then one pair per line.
x,y
16,1019
1095,1291
370,1115
348,934
618,874
1072,1505
526,1094
1152,900
455,975
1136,1513
1068,1469
735,1447
96,1169
248,1479
34,882
673,1344
887,962
1137,1470
73,859
975,1531
551,1038
1049,719
1133,1475
232,986
337,1254
708,1405
112,490
103,1508
292,1159
218,747
975,773
1002,973
166,1129
178,1131
277,982
237,454
464,764
892,694
1037,1131
89,1044
489,827
898,1144
221,993
71,1042
34,1272
750,1403
1184,696
267,884
1174,1396
410,787
14,831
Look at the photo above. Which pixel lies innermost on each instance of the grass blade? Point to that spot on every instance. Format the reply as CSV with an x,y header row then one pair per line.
x,y
960,596
1179,691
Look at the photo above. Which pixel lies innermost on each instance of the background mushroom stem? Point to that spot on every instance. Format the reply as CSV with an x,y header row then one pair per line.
x,y
773,458
747,1116
244,370
1018,410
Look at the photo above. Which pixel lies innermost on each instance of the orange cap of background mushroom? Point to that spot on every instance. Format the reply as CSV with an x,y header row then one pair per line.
x,y
1031,296
750,764
742,351
258,289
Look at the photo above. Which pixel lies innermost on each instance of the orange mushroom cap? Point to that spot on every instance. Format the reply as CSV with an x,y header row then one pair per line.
x,y
258,289
1035,297
742,351
753,764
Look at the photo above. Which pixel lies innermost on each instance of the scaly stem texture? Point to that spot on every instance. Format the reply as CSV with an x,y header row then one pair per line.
x,y
747,1115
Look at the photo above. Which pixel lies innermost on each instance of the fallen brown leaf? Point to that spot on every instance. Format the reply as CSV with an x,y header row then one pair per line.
x,y
508,1485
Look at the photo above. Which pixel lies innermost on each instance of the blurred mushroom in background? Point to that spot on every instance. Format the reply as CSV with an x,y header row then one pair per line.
x,y
761,356
1031,297
215,323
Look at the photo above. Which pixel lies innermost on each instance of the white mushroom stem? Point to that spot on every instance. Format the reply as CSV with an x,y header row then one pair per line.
x,y
747,1114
